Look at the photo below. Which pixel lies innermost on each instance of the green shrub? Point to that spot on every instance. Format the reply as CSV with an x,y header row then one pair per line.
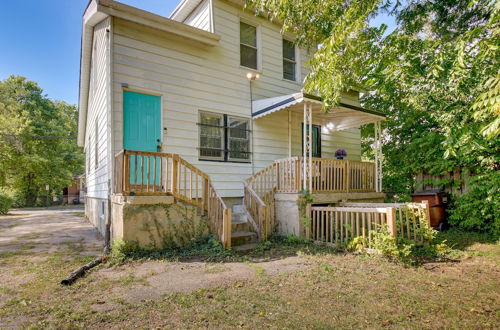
x,y
5,204
479,209
407,251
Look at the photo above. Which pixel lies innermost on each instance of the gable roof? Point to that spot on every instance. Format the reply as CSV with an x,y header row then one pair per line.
x,y
98,10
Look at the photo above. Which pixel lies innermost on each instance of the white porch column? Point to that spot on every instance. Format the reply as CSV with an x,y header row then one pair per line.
x,y
310,145
304,149
378,157
289,134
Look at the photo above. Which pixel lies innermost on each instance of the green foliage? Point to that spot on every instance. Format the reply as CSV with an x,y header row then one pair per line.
x,y
304,199
407,251
208,249
5,203
32,152
479,210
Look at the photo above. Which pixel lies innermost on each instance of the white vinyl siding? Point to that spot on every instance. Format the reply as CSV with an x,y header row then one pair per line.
x,y
97,118
201,17
191,77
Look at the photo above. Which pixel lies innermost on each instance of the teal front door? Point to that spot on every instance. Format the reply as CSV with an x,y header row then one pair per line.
x,y
141,132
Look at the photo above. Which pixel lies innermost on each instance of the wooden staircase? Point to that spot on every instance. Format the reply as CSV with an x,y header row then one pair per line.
x,y
243,235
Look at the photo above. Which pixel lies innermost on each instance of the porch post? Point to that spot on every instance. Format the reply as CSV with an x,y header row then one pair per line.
x,y
289,134
375,151
378,157
304,149
310,145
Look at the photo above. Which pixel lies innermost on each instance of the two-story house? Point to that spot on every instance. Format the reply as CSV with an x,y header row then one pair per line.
x,y
206,109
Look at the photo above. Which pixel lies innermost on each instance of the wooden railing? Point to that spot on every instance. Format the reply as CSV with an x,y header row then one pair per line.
x,y
218,211
258,199
328,175
158,173
340,225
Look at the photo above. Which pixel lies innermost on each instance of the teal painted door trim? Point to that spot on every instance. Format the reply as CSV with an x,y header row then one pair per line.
x,y
142,132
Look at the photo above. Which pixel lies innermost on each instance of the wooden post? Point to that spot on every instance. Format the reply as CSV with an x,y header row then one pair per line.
x,y
226,228
427,212
126,173
391,221
309,215
204,193
263,223
175,173
347,175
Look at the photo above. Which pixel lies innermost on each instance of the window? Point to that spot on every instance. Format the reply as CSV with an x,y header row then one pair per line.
x,y
224,138
316,142
96,144
248,45
289,60
211,136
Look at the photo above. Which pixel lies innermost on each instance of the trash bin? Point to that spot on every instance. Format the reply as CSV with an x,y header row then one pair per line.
x,y
437,204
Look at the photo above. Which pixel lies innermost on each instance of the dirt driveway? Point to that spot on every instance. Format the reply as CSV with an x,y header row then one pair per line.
x,y
48,230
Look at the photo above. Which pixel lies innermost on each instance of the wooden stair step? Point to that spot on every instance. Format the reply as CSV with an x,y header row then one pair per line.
x,y
243,237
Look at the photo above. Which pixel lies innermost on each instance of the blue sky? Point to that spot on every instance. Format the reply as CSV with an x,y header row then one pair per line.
x,y
41,41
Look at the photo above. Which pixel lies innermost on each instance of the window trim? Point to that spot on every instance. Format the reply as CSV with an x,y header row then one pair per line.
x,y
257,40
294,62
225,137
200,157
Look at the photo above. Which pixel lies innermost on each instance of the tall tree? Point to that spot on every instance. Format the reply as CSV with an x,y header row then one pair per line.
x,y
37,145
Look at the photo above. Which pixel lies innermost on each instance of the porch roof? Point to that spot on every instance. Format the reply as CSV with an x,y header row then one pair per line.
x,y
341,117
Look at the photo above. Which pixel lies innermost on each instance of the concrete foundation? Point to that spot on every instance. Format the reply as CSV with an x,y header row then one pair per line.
x,y
156,222
287,210
96,211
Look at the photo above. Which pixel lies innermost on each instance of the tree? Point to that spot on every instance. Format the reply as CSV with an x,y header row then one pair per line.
x,y
436,77
37,144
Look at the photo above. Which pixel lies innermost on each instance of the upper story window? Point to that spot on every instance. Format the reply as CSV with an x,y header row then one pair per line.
x,y
248,46
224,137
289,60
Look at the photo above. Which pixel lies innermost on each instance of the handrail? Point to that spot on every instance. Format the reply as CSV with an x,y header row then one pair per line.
x,y
160,173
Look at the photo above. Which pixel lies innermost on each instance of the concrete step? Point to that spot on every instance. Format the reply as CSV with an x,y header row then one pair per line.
x,y
243,237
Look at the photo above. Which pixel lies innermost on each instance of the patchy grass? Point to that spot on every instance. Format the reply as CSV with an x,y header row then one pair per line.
x,y
338,290
78,214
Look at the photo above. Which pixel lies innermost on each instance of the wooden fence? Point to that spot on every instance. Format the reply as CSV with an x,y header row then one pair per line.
x,y
157,173
340,225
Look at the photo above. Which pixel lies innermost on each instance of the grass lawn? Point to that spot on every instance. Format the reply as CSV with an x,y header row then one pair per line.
x,y
335,290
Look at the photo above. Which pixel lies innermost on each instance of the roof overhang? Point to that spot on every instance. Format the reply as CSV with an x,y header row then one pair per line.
x,y
341,117
183,9
96,11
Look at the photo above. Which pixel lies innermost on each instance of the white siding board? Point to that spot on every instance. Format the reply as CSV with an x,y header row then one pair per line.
x,y
98,105
192,78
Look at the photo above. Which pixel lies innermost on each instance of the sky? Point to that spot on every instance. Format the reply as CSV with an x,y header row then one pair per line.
x,y
40,40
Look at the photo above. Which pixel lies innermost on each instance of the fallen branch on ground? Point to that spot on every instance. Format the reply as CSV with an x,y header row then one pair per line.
x,y
81,271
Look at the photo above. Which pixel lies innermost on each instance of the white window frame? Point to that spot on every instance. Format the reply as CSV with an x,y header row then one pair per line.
x,y
225,136
248,138
221,116
295,63
258,41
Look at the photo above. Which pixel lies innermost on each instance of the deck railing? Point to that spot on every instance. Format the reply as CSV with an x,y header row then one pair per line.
x,y
258,199
339,225
328,175
157,173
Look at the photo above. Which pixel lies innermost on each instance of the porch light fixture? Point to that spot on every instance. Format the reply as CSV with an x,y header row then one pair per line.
x,y
330,126
251,76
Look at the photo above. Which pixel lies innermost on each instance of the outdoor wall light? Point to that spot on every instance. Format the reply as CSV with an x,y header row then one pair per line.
x,y
251,76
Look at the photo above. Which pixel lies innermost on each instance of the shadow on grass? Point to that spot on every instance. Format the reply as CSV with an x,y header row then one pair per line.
x,y
211,251
461,240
